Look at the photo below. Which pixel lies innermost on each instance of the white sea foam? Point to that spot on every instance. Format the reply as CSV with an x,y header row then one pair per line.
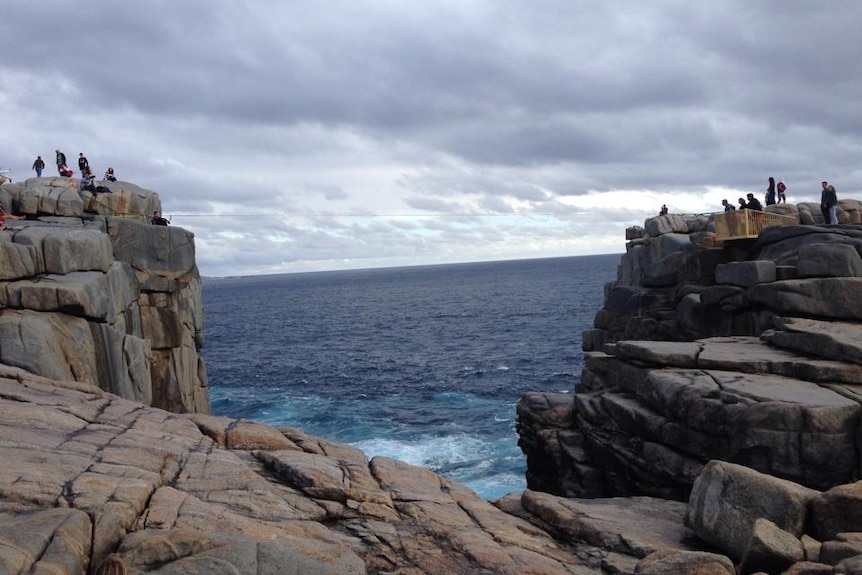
x,y
431,452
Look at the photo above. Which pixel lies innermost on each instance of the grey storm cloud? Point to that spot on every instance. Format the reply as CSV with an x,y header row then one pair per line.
x,y
324,112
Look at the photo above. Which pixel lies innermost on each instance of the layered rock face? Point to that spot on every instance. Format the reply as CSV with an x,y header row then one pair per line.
x,y
747,352
90,292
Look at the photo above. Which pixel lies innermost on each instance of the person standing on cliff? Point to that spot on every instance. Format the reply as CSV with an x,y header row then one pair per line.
x,y
83,165
61,162
782,192
828,203
39,165
770,192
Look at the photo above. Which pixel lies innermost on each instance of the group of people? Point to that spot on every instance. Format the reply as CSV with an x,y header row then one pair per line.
x,y
64,170
828,200
749,202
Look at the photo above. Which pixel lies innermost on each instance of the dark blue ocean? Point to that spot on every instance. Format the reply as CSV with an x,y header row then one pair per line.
x,y
422,364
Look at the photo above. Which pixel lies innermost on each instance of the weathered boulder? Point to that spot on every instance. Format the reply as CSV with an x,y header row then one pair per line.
x,y
745,274
770,549
844,546
814,297
667,224
673,562
809,568
727,500
837,510
125,199
49,196
16,260
836,340
851,566
632,525
829,260
34,540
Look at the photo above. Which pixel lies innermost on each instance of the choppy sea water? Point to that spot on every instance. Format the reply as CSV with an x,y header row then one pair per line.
x,y
422,364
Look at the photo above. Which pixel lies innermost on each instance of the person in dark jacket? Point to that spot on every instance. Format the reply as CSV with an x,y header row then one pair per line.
x,y
39,165
157,220
753,203
829,203
61,162
770,192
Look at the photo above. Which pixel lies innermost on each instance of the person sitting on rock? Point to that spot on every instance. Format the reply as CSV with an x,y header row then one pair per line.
x,y
663,210
109,175
87,183
753,203
157,220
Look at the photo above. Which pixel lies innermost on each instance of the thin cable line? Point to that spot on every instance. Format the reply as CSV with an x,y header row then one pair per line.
x,y
295,215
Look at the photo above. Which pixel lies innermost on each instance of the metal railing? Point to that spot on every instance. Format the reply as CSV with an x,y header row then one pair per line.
x,y
748,223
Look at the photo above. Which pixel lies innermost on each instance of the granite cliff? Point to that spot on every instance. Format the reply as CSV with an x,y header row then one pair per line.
x,y
100,329
747,352
90,292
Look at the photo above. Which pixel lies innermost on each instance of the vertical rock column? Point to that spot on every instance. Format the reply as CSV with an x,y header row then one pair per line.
x,y
171,310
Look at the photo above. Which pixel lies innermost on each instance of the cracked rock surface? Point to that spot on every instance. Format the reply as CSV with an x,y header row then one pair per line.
x,y
84,473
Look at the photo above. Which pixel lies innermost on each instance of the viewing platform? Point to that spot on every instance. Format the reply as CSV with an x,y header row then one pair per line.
x,y
744,224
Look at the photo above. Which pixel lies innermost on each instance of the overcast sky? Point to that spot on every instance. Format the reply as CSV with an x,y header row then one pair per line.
x,y
295,136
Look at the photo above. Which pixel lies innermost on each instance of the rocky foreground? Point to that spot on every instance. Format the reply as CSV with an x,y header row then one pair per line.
x,y
707,437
